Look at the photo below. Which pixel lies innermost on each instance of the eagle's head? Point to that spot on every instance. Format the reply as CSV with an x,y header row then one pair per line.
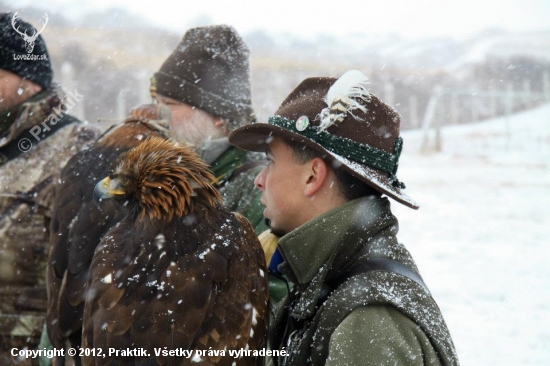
x,y
159,179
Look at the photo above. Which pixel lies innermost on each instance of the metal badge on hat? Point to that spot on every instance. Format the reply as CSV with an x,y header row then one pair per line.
x,y
302,123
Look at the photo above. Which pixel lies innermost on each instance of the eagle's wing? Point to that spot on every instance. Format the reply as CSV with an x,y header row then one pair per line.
x,y
199,289
76,228
253,267
78,224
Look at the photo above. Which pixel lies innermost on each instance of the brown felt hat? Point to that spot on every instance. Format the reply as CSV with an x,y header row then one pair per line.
x,y
357,131
209,70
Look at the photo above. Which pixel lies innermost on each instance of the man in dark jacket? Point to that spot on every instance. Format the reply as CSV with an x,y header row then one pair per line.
x,y
357,297
37,137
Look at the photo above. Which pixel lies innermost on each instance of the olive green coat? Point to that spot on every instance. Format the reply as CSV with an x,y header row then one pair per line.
x,y
372,318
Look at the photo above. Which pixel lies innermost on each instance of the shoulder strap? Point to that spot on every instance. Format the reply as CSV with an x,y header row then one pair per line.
x,y
374,264
388,265
13,150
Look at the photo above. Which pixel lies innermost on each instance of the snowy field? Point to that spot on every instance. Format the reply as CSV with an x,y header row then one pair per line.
x,y
482,234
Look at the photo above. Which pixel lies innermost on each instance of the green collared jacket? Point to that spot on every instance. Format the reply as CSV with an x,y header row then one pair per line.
x,y
371,318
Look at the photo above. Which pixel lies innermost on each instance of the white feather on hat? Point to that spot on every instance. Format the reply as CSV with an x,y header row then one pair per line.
x,y
339,98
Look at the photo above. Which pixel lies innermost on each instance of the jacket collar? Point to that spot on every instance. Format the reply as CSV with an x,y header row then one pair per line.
x,y
30,113
326,246
225,164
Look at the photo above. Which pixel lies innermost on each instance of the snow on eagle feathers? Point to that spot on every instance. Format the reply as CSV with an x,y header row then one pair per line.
x,y
78,223
179,271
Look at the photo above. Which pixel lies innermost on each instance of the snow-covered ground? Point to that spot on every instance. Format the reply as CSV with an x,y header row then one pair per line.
x,y
481,237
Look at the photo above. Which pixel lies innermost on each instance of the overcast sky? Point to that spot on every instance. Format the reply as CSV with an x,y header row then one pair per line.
x,y
409,18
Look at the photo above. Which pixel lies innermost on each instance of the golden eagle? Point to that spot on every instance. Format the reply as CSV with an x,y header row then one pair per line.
x,y
78,223
178,273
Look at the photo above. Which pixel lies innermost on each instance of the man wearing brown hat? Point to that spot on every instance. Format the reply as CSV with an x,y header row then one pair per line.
x,y
37,137
357,297
206,84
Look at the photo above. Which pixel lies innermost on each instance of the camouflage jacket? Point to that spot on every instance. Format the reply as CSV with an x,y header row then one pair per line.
x,y
25,207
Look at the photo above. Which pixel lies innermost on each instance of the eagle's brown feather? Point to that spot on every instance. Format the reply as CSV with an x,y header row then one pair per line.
x,y
78,223
179,271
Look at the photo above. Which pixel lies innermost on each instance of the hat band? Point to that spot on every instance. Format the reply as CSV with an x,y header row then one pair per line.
x,y
348,148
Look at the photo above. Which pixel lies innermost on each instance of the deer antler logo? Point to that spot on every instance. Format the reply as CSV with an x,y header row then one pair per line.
x,y
29,40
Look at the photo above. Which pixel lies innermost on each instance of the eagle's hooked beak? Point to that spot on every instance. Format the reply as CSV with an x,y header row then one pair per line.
x,y
106,189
